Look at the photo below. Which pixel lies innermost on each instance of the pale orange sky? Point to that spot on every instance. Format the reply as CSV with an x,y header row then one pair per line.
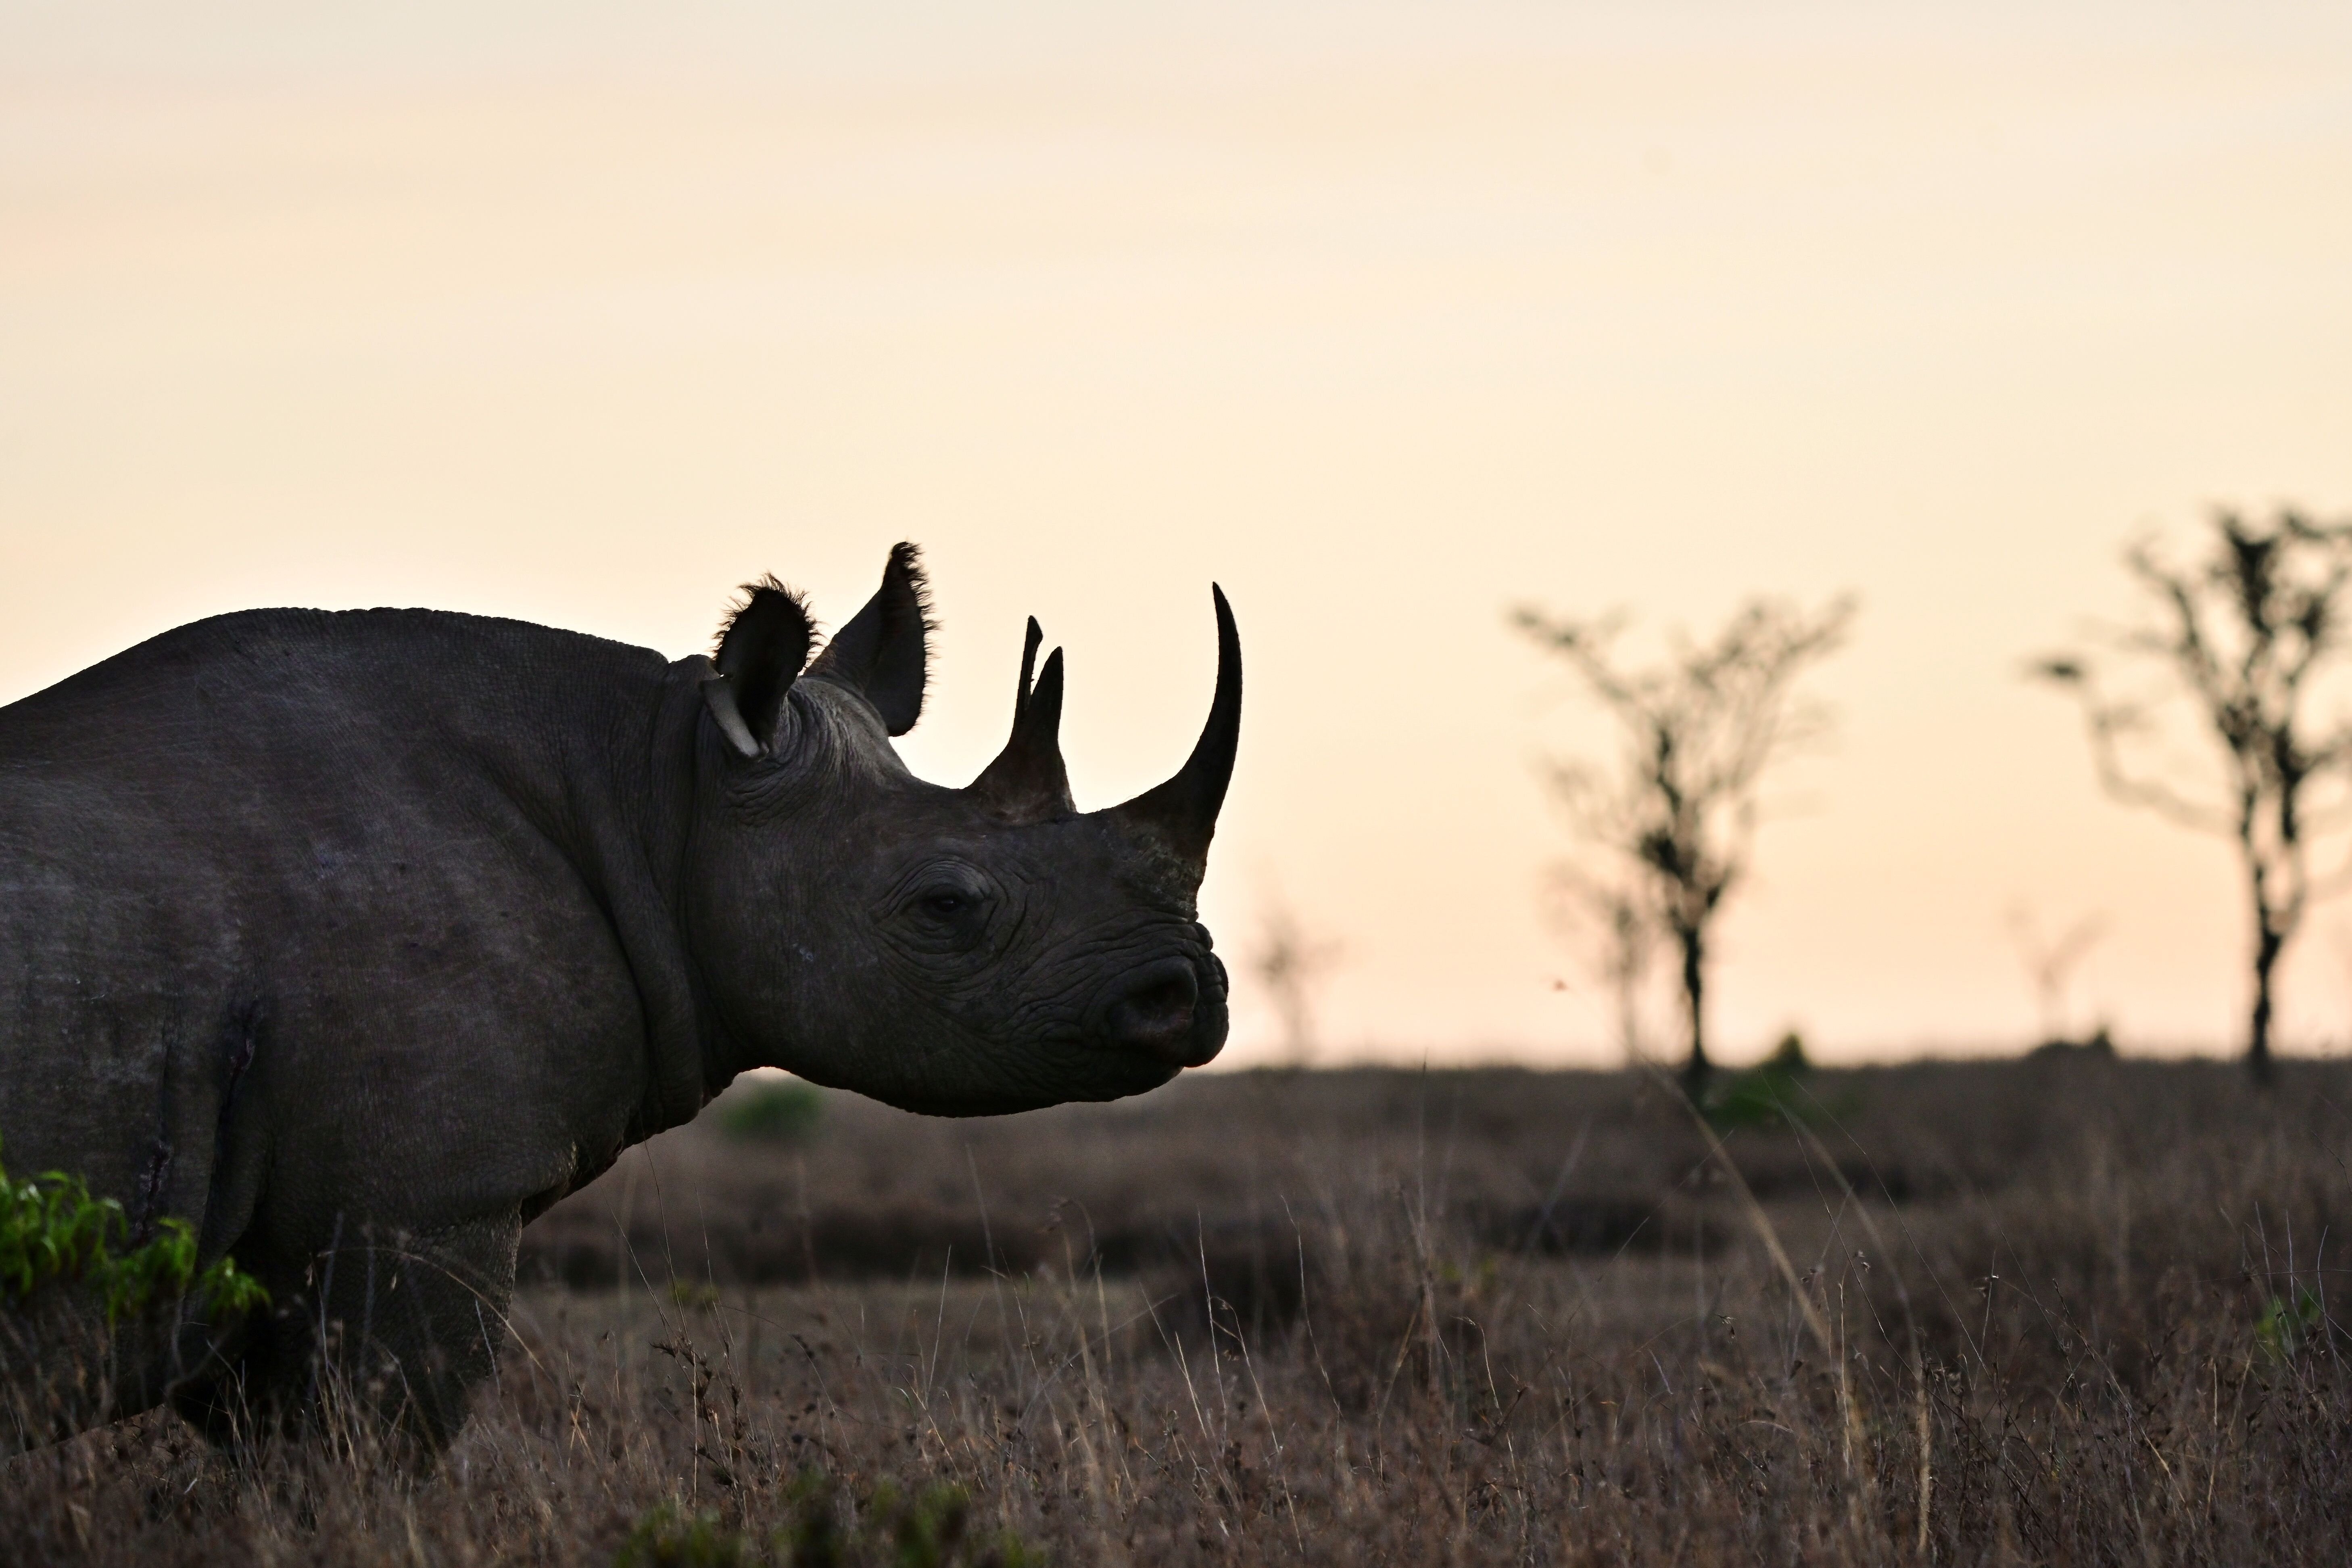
x,y
1387,317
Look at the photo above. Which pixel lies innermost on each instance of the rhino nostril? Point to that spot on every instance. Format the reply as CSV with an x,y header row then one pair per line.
x,y
1153,1011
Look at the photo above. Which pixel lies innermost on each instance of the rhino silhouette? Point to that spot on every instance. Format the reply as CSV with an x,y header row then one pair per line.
x,y
355,939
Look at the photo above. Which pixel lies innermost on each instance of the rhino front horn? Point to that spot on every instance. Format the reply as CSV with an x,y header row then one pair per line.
x,y
1027,779
1183,811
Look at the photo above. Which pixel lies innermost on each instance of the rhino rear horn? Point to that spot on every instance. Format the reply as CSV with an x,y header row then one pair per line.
x,y
883,651
1028,779
1183,812
760,652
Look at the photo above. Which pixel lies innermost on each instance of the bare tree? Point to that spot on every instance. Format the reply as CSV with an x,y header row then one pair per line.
x,y
1291,963
2243,640
2050,962
1677,813
1625,943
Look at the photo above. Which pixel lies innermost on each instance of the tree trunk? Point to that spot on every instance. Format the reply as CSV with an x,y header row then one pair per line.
x,y
2268,943
1696,1067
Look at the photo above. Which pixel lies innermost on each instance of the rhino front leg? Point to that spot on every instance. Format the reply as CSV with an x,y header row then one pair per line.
x,y
390,1326
433,1319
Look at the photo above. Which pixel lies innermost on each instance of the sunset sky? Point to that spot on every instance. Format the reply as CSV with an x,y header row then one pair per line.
x,y
1387,317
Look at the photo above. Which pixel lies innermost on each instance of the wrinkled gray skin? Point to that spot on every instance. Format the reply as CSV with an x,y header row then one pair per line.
x,y
357,939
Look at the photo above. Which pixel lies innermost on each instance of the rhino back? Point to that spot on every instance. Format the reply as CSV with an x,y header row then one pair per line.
x,y
309,911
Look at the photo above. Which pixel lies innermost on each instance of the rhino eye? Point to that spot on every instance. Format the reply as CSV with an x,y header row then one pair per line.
x,y
944,908
951,904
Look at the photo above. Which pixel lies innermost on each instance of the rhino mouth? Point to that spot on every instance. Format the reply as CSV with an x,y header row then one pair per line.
x,y
1165,1012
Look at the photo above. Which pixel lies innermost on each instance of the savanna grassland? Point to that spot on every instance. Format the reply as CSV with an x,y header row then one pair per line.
x,y
2067,1310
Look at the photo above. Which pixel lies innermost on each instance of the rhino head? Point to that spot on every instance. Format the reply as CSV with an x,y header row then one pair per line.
x,y
958,952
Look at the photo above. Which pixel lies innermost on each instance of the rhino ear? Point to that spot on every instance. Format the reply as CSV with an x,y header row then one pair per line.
x,y
882,652
760,651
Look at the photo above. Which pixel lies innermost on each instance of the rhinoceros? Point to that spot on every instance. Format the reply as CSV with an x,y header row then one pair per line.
x,y
355,939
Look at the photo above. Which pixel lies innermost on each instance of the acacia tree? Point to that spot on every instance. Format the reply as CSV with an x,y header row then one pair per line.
x,y
2051,961
1677,811
1290,962
1626,948
2243,640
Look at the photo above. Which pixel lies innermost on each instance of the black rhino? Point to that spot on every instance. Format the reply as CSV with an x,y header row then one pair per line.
x,y
356,940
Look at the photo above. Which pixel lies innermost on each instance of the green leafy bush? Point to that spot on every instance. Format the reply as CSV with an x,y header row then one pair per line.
x,y
51,1228
771,1110
927,1530
668,1536
2289,1323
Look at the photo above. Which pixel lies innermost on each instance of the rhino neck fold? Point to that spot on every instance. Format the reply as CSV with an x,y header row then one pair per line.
x,y
622,814
687,1059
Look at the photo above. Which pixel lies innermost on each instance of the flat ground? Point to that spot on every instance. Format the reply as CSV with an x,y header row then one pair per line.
x,y
2063,1310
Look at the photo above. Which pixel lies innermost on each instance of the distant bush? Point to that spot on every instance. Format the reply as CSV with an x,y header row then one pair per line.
x,y
1772,1093
771,1110
1788,1056
2101,1045
51,1228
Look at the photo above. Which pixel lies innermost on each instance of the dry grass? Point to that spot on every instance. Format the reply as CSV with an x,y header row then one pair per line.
x,y
2048,1311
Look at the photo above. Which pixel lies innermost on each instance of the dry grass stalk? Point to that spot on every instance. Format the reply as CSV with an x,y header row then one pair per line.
x,y
2101,1347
